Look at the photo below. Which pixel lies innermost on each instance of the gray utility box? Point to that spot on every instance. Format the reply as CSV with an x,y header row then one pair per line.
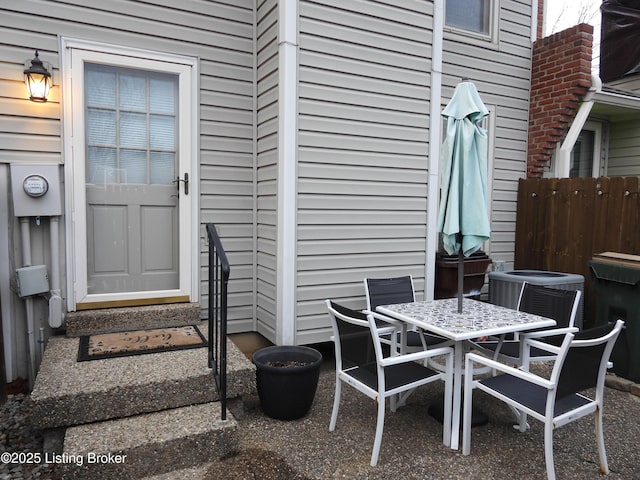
x,y
504,287
32,280
36,190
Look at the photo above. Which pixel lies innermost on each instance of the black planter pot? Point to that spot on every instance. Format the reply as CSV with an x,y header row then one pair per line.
x,y
287,377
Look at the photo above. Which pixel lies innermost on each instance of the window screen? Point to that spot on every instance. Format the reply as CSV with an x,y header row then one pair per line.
x,y
472,15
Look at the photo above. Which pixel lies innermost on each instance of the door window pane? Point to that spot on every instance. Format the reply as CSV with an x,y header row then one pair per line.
x,y
472,15
163,168
161,130
101,88
101,165
133,166
133,92
133,130
582,155
162,96
101,127
134,113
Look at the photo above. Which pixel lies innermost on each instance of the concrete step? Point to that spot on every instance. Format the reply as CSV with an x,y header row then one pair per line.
x,y
91,322
67,392
149,444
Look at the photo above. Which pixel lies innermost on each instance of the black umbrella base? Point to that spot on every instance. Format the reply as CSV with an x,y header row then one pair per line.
x,y
478,418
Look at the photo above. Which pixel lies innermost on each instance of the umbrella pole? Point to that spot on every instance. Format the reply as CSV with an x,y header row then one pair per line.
x,y
460,275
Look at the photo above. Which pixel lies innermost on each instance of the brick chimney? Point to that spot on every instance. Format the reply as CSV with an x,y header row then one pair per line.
x,y
540,21
560,78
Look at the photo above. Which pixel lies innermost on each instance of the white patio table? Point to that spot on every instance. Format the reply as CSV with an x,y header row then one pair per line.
x,y
478,319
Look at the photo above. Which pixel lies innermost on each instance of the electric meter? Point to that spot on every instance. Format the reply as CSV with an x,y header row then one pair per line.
x,y
35,186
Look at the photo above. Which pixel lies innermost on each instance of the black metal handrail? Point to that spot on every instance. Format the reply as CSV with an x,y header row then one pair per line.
x,y
218,279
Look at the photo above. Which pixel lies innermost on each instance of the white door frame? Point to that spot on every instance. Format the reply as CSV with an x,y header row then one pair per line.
x,y
597,166
73,54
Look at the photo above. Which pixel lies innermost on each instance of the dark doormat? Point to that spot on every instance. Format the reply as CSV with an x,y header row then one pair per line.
x,y
137,342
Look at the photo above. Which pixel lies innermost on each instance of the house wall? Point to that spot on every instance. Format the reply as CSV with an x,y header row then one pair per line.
x,y
629,83
221,34
364,89
364,85
501,70
364,76
227,143
267,166
624,148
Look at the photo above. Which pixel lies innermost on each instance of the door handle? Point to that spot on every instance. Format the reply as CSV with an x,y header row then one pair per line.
x,y
185,180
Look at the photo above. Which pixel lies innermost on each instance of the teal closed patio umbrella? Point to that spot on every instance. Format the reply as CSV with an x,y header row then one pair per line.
x,y
462,218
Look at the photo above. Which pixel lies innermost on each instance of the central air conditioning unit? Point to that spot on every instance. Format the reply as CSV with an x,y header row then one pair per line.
x,y
504,287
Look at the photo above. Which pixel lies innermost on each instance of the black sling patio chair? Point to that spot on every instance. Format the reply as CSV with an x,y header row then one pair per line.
x,y
581,364
560,305
387,291
360,362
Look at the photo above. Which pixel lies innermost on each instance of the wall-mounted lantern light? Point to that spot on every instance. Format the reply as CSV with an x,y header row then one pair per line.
x,y
37,79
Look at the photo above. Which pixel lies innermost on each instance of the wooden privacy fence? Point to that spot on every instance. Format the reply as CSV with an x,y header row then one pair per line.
x,y
562,222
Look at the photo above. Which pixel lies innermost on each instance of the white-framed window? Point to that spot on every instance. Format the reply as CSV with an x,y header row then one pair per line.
x,y
472,17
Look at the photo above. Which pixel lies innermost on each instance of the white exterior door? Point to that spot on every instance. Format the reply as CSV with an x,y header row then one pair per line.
x,y
133,202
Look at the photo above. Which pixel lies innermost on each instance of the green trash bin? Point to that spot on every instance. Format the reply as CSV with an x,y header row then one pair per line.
x,y
616,281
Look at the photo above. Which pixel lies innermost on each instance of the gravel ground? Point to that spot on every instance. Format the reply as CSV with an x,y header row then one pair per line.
x,y
412,442
412,446
22,442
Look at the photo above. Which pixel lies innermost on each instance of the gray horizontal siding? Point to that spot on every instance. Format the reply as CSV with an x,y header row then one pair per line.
x,y
364,89
624,148
267,171
363,142
501,71
220,33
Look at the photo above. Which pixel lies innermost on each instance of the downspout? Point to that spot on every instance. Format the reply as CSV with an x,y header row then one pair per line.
x,y
435,127
55,301
564,153
535,9
25,233
287,160
255,170
6,232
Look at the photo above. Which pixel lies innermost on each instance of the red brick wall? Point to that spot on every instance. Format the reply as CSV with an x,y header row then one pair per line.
x,y
540,25
560,78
